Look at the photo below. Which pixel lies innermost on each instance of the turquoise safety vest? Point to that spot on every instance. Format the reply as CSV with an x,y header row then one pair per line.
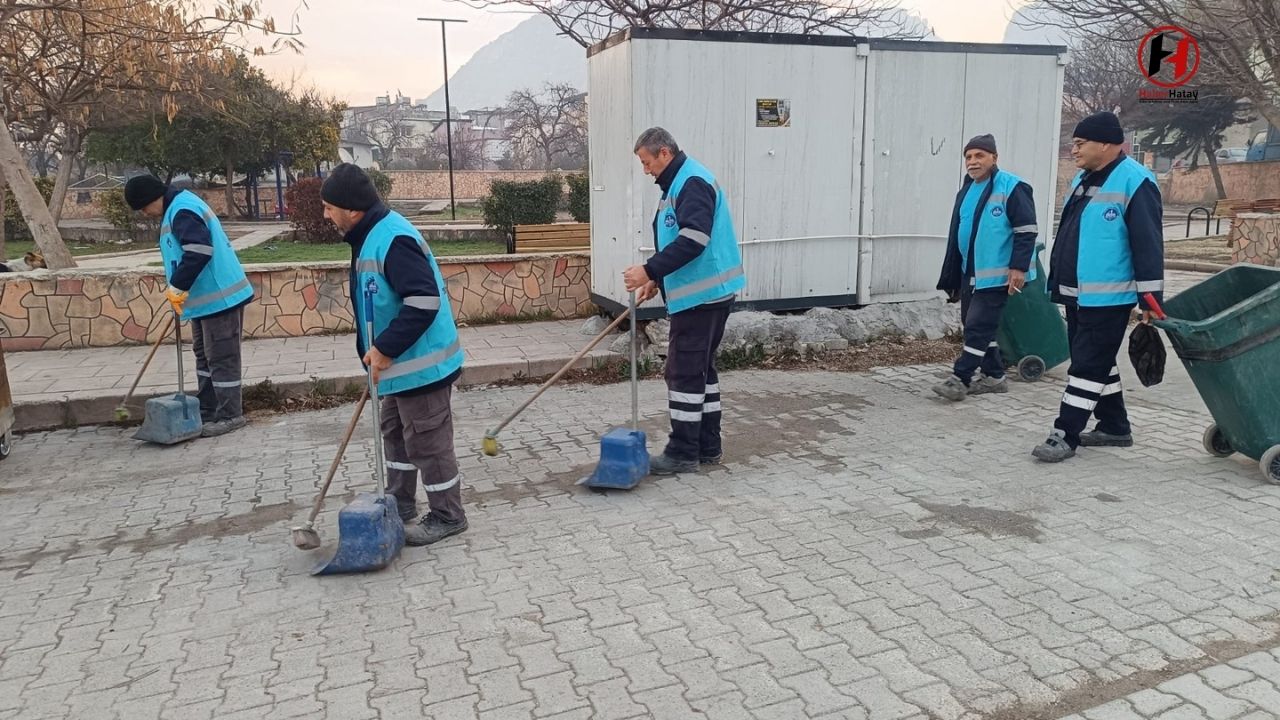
x,y
1104,264
717,272
222,284
434,356
993,245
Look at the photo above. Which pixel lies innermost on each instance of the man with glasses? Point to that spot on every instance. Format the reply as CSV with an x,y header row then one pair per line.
x,y
1109,252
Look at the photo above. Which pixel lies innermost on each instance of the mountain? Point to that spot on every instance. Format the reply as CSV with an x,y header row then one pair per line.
x,y
528,56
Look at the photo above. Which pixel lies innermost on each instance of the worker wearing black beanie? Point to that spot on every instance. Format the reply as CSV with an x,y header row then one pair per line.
x,y
1108,256
412,354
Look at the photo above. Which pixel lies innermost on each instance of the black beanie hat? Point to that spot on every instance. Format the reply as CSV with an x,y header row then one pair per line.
x,y
982,142
1103,127
349,188
143,190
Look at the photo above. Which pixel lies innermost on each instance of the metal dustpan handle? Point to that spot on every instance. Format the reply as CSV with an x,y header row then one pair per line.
x,y
374,401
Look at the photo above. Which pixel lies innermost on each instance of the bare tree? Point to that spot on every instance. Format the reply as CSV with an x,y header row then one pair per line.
x,y
388,128
548,126
72,60
590,21
1239,38
468,150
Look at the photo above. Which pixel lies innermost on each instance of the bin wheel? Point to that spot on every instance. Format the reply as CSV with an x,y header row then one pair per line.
x,y
1031,368
1215,443
6,444
1270,464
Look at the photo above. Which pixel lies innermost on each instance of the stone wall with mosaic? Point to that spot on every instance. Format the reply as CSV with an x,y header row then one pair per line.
x,y
44,310
1255,238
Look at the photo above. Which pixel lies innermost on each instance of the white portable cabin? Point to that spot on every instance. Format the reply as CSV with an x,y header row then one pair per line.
x,y
841,156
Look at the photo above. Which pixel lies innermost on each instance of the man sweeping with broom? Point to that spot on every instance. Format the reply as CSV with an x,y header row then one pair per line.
x,y
699,270
414,355
206,286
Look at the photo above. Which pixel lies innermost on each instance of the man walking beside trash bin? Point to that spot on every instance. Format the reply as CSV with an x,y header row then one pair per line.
x,y
207,286
1108,253
990,251
414,355
698,269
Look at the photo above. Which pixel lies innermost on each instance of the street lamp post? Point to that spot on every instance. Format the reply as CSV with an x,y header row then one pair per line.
x,y
448,117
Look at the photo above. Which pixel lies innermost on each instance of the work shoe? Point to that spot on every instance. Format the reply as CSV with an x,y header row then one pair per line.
x,y
1098,438
431,529
985,384
711,459
953,389
664,464
1054,449
222,427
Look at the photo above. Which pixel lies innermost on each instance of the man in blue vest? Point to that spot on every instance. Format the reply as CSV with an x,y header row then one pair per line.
x,y
206,286
990,251
698,269
1108,253
414,354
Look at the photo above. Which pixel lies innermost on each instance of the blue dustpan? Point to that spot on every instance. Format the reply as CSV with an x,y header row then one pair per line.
x,y
370,532
171,420
624,459
370,535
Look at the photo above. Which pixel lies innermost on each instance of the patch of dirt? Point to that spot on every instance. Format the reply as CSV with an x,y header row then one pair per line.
x,y
260,517
1106,498
988,521
761,426
889,351
1096,692
1210,249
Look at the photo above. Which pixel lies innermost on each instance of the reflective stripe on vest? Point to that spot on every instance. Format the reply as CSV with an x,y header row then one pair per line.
x,y
438,352
1104,263
717,272
222,284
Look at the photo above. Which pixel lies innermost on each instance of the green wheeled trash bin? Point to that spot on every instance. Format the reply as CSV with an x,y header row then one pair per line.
x,y
1032,334
1226,331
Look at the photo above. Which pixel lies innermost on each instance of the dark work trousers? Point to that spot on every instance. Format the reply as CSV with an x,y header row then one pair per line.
x,y
693,385
417,434
980,314
1093,380
216,342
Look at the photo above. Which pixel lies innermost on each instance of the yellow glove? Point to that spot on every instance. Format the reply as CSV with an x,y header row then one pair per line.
x,y
176,298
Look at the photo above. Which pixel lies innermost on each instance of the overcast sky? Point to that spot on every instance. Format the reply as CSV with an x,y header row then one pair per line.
x,y
358,49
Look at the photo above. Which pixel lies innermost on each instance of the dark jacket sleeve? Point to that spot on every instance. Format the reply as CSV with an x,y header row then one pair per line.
x,y
197,248
1145,219
952,263
1021,207
695,213
410,276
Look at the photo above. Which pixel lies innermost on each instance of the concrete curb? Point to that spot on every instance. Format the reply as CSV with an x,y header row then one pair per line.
x,y
98,407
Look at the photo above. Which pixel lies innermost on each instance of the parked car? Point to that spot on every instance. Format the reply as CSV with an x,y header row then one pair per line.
x,y
1265,145
1232,155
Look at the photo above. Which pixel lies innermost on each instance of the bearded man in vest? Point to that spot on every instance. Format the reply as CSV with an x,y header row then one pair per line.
x,y
990,256
414,354
207,286
1108,253
698,270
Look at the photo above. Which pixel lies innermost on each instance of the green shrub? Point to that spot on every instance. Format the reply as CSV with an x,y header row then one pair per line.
x,y
532,202
14,224
306,213
381,183
580,197
115,210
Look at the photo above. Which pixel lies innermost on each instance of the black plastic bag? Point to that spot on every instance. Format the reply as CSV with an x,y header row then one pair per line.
x,y
1146,352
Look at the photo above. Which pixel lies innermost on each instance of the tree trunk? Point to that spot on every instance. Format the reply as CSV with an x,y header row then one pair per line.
x,y
70,150
231,190
1210,150
36,213
3,252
